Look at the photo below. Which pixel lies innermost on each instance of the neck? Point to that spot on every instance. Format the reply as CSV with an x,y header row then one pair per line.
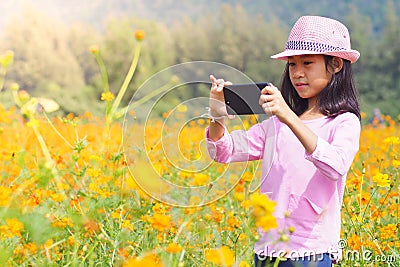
x,y
312,112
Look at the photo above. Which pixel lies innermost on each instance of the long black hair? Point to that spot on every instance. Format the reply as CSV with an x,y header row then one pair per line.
x,y
339,96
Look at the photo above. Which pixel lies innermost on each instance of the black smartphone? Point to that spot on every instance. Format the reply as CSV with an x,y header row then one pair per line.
x,y
243,99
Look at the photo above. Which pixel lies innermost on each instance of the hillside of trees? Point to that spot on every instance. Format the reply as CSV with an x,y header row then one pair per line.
x,y
52,58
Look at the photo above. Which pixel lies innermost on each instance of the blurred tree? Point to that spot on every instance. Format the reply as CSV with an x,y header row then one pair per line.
x,y
235,38
44,63
41,52
80,39
118,47
384,70
362,39
196,40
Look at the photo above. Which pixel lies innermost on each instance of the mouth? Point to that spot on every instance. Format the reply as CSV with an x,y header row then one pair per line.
x,y
300,85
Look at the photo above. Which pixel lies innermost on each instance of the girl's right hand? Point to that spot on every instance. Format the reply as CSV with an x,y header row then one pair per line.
x,y
217,100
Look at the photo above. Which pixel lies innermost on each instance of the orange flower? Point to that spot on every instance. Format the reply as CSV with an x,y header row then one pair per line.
x,y
94,49
139,35
233,222
388,231
160,222
62,223
91,226
150,260
222,256
354,242
173,248
12,228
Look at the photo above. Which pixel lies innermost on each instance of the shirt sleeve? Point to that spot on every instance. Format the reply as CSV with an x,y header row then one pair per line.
x,y
239,145
334,158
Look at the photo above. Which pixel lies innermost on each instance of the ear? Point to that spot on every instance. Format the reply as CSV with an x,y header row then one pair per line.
x,y
337,64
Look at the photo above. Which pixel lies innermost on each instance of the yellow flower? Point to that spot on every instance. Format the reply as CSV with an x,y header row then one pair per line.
x,y
107,96
200,179
222,256
139,35
244,264
7,59
32,123
126,224
396,163
173,248
150,260
14,86
263,208
5,196
381,179
182,108
93,172
395,140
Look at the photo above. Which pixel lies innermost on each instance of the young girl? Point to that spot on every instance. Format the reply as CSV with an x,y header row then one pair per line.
x,y
316,121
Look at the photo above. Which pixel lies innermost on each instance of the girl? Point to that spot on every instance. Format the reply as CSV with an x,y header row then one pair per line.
x,y
316,121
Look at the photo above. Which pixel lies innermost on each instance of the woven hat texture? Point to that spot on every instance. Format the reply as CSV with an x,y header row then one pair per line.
x,y
319,35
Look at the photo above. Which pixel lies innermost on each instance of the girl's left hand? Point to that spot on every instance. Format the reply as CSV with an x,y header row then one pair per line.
x,y
273,103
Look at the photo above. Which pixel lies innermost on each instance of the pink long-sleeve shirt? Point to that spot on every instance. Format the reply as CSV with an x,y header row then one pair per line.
x,y
308,188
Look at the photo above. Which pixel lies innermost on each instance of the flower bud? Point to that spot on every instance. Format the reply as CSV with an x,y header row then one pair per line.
x,y
139,35
94,49
15,87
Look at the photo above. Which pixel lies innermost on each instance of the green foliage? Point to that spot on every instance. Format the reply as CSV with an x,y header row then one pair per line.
x,y
54,61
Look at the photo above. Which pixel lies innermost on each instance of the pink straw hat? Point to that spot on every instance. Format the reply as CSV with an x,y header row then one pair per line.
x,y
319,35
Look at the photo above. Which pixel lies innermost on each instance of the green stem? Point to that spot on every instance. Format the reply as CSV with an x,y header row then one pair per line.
x,y
149,96
3,72
104,77
43,146
124,86
56,131
103,72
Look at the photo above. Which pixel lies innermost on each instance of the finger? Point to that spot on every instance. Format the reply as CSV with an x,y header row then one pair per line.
x,y
227,83
270,89
214,83
267,109
213,79
266,98
220,85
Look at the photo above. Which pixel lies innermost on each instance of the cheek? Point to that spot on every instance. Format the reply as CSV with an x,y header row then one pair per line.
x,y
321,83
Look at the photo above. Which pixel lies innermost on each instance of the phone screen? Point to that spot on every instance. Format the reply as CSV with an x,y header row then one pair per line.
x,y
243,99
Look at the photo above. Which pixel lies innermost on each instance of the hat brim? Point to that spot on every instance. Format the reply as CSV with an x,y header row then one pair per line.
x,y
351,55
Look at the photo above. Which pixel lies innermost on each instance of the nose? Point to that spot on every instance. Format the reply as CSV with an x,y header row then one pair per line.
x,y
297,71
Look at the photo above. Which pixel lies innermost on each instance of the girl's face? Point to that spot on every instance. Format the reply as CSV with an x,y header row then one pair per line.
x,y
309,75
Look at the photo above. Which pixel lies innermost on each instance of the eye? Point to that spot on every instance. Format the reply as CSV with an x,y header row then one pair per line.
x,y
291,64
307,62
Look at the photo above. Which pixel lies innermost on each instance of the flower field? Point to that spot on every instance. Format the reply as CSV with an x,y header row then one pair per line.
x,y
67,199
73,192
